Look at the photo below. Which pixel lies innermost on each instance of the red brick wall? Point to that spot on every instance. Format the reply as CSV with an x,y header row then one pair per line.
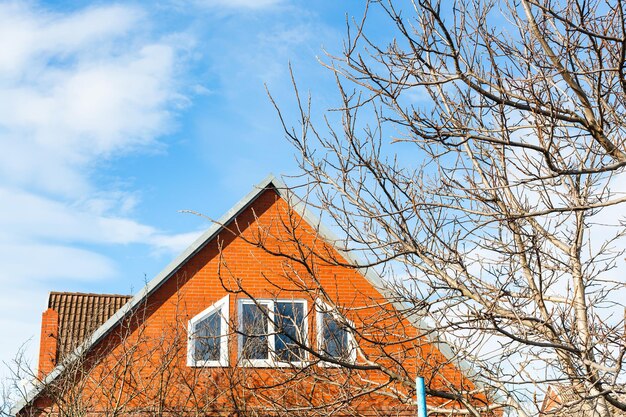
x,y
144,361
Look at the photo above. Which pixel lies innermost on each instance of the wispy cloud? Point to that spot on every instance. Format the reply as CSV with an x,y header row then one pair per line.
x,y
30,38
77,89
30,217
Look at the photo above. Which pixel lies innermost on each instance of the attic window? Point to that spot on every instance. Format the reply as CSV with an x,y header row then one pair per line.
x,y
208,336
272,332
335,340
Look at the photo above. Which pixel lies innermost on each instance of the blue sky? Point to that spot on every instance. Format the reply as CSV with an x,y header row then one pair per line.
x,y
113,117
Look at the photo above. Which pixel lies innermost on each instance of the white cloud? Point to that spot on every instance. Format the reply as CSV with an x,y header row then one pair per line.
x,y
28,218
174,243
76,89
52,262
29,38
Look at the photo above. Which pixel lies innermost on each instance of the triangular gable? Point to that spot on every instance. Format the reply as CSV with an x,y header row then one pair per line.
x,y
295,203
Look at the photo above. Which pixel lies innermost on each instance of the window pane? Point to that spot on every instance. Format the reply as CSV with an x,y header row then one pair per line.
x,y
289,318
334,338
207,338
254,325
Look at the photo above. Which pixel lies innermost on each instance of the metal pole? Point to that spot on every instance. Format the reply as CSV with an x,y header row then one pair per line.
x,y
420,391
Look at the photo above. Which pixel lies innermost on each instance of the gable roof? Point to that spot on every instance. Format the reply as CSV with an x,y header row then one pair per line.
x,y
80,314
300,207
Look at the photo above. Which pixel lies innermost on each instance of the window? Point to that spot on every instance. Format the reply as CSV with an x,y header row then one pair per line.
x,y
271,332
255,318
208,336
334,337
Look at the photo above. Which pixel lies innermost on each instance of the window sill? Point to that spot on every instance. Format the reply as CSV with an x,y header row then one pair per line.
x,y
268,363
207,364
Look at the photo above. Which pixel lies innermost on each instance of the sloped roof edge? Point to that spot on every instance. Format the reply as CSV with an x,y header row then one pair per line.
x,y
301,208
149,288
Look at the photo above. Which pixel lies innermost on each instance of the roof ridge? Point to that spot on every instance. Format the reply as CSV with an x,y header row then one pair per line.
x,y
89,294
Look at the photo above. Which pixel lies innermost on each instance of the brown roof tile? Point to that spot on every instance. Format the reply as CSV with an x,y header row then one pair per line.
x,y
80,315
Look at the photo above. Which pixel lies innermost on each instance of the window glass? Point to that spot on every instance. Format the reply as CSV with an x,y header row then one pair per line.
x,y
207,338
289,318
254,328
335,341
272,332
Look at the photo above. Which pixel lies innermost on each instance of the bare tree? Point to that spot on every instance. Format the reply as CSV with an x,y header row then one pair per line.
x,y
477,164
354,348
17,376
476,160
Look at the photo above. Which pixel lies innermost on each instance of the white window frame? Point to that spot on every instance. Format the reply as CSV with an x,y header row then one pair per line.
x,y
222,306
321,309
272,361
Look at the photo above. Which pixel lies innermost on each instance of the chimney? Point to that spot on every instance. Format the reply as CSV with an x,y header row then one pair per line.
x,y
48,343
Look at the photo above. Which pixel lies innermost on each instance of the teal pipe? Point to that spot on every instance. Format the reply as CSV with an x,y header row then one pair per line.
x,y
420,392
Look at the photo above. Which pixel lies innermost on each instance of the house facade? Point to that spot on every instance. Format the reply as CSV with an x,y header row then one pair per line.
x,y
264,314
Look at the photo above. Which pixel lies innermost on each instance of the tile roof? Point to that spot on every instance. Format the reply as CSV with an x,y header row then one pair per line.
x,y
80,314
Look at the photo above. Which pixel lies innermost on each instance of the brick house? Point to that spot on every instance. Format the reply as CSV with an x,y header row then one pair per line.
x,y
263,315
